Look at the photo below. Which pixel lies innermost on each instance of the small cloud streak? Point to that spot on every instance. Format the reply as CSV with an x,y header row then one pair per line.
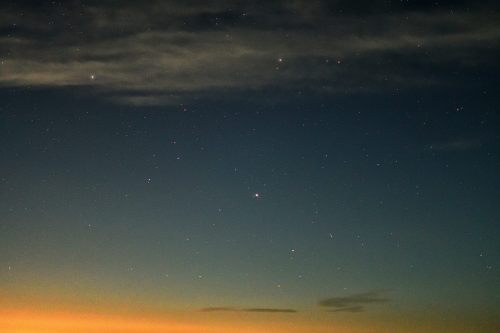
x,y
353,303
353,309
262,310
218,309
270,310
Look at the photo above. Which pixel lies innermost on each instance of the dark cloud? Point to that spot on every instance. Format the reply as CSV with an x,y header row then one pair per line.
x,y
152,54
357,308
230,309
218,309
268,310
353,303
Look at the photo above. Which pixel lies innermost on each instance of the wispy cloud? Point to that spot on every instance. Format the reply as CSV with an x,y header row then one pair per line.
x,y
219,309
357,308
270,310
159,53
353,303
231,309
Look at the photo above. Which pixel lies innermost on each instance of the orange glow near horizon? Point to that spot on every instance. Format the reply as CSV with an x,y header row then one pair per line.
x,y
34,321
19,321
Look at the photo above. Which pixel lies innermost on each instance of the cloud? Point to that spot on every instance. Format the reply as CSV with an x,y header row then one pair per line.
x,y
353,303
231,309
218,309
268,310
357,308
164,52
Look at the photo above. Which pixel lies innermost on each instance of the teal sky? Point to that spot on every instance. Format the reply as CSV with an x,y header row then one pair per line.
x,y
302,157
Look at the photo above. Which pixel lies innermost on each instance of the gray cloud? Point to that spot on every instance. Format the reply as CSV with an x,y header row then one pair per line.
x,y
166,51
219,309
353,303
268,310
353,309
231,309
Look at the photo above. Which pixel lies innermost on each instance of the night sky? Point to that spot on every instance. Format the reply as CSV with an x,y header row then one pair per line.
x,y
249,166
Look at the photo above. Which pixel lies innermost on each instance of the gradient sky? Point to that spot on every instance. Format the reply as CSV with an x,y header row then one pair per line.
x,y
249,166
